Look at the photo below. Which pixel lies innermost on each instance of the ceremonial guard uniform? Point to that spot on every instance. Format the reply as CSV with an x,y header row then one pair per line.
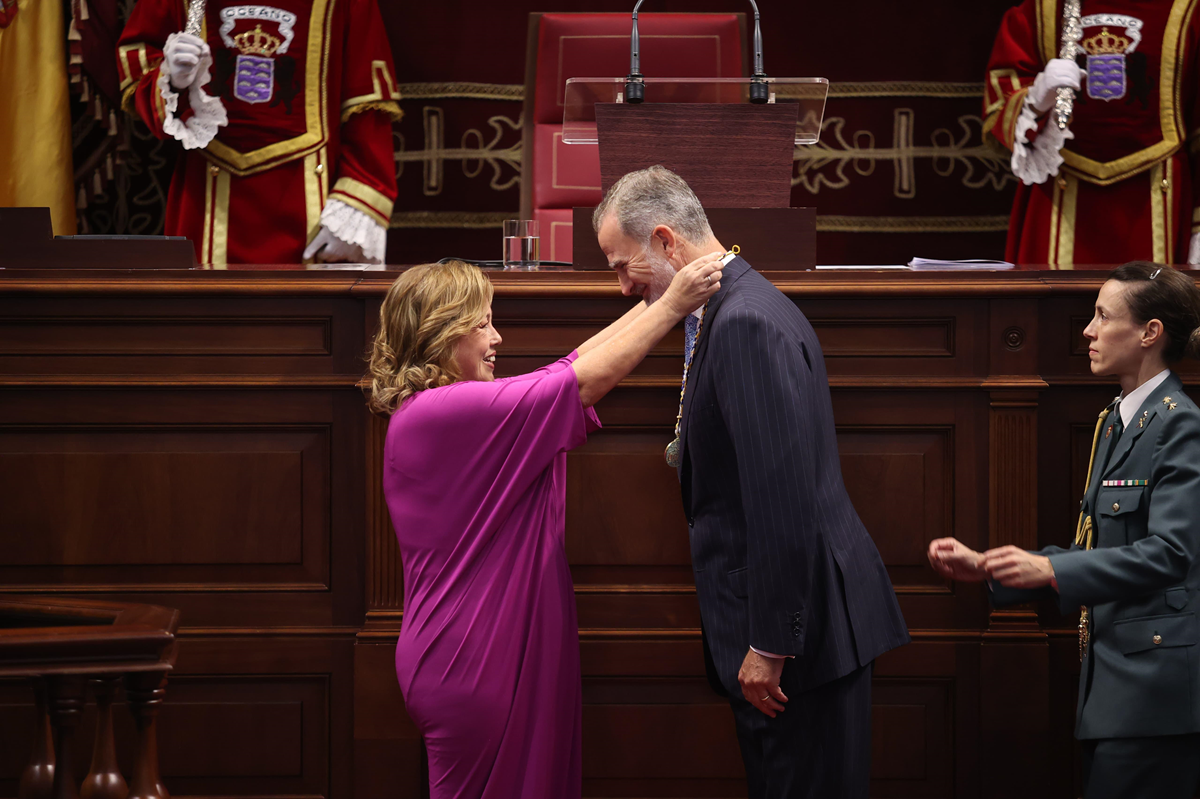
x,y
1124,189
1134,573
288,127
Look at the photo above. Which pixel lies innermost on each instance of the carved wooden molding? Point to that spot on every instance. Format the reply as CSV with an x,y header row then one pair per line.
x,y
384,587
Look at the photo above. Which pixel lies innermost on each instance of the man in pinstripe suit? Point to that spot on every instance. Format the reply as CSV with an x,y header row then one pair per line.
x,y
794,598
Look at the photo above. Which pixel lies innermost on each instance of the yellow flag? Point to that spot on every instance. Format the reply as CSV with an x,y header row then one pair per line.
x,y
35,113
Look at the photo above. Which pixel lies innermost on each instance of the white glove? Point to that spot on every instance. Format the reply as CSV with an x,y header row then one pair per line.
x,y
182,55
1059,73
327,248
1194,249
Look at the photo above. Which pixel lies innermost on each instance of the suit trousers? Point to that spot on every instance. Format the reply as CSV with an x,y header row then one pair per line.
x,y
818,748
1161,767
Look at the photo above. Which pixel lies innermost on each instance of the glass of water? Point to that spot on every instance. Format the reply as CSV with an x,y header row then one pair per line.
x,y
522,243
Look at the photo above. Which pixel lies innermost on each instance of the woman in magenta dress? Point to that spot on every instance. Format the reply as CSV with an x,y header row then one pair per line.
x,y
475,480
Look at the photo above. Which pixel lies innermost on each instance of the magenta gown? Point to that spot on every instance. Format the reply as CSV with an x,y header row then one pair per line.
x,y
488,656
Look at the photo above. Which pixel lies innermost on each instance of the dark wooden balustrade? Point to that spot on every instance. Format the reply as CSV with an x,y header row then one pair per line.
x,y
75,648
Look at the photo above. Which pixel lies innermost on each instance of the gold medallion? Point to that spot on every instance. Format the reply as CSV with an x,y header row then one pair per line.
x,y
671,453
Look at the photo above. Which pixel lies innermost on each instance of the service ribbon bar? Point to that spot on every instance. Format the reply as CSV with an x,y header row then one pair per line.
x,y
1108,483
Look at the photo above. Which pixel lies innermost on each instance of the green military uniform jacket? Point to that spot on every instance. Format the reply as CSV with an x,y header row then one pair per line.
x,y
1135,565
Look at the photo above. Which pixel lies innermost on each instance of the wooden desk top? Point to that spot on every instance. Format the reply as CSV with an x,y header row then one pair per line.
x,y
556,282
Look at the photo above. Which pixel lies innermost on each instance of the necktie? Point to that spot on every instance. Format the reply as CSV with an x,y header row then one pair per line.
x,y
1117,429
690,325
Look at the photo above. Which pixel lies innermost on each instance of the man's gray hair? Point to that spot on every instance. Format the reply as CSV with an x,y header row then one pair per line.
x,y
647,198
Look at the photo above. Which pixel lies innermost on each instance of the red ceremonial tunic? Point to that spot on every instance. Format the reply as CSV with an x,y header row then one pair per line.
x,y
1124,191
309,91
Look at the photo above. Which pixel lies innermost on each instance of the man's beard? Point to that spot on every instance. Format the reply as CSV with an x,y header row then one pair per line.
x,y
661,275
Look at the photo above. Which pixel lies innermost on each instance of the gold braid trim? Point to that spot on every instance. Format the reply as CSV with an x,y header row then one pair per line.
x,y
1082,530
389,107
128,103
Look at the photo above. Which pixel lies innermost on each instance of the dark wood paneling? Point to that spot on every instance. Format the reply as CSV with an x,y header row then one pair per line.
x,y
171,336
895,337
145,498
99,335
901,480
212,490
912,743
626,505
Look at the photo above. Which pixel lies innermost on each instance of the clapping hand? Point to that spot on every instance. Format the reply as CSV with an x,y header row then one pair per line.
x,y
1010,566
1013,567
951,558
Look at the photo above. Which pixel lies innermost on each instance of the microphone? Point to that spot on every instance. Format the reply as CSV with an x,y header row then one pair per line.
x,y
635,88
760,91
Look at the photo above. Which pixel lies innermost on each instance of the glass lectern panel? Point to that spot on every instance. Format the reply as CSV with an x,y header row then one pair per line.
x,y
582,95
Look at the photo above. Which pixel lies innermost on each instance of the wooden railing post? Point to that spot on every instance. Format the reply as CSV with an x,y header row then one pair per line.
x,y
145,693
67,700
37,781
104,780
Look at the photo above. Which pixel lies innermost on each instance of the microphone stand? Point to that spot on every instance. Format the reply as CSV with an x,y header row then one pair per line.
x,y
760,92
635,87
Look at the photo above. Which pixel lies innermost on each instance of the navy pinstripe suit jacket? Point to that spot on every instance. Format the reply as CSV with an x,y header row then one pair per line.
x,y
781,559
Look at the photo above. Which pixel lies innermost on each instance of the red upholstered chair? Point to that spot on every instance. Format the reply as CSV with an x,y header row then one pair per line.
x,y
557,176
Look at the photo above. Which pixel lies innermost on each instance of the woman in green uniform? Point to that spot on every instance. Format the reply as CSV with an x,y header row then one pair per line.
x,y
1133,571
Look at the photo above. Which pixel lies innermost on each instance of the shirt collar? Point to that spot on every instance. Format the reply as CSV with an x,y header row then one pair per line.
x,y
729,256
1130,404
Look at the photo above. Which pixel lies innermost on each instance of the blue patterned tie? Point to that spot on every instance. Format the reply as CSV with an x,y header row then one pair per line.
x,y
690,325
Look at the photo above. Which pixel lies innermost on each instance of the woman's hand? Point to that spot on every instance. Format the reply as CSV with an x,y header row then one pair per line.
x,y
951,558
1013,567
693,285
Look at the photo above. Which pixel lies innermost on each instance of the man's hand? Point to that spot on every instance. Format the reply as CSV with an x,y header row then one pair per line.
x,y
693,285
759,678
1013,567
951,558
1059,73
181,58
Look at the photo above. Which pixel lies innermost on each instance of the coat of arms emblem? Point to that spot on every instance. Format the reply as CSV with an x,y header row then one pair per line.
x,y
1107,76
254,72
254,75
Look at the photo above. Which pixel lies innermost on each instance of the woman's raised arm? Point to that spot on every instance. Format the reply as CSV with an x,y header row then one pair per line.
x,y
610,331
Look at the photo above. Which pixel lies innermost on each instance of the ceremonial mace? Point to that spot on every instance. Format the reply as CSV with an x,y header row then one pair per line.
x,y
1072,32
195,17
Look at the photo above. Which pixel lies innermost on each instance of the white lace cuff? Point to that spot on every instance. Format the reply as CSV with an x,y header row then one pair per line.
x,y
355,227
208,112
1039,161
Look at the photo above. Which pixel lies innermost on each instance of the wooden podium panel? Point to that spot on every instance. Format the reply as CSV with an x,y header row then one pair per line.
x,y
732,156
200,440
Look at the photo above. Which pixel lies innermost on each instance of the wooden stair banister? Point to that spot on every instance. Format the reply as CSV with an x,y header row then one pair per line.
x,y
64,645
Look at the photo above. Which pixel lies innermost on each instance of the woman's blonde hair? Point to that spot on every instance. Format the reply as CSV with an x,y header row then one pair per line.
x,y
425,313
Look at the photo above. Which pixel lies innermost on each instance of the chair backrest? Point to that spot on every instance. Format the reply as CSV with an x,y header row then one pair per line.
x,y
556,177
